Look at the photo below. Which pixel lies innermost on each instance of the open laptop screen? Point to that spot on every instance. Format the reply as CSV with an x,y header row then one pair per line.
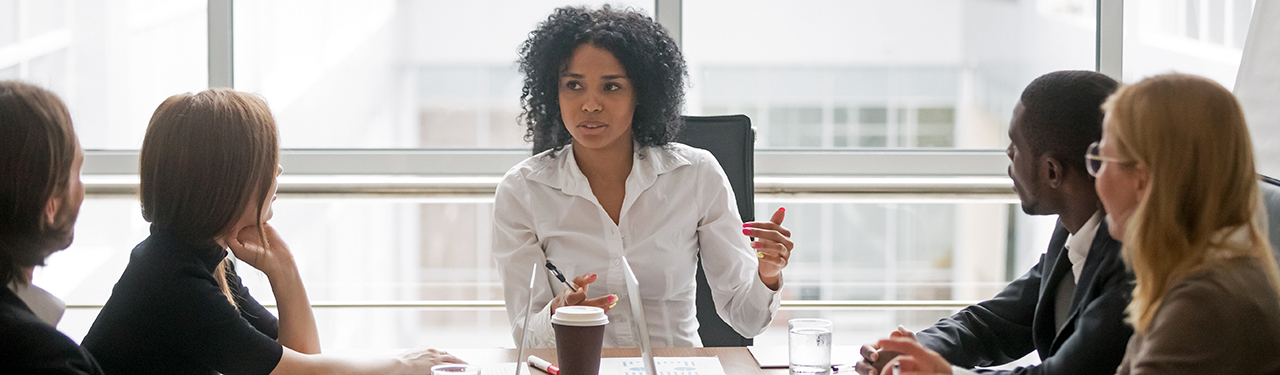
x,y
637,318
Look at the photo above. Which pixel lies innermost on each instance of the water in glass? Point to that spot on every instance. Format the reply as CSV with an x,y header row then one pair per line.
x,y
810,346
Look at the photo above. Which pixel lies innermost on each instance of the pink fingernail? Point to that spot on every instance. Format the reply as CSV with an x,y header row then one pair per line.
x,y
746,232
755,245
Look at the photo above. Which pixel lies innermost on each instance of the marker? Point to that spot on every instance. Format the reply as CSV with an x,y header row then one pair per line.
x,y
543,365
560,276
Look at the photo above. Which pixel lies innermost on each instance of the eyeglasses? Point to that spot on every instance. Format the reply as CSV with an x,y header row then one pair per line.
x,y
1094,159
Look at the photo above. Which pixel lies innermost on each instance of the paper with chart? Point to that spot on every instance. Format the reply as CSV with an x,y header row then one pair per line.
x,y
506,368
666,366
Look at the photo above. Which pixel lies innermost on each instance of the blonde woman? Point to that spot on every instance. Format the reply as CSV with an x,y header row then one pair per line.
x,y
1175,173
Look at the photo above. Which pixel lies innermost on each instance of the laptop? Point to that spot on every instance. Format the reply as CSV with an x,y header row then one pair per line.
x,y
528,310
637,319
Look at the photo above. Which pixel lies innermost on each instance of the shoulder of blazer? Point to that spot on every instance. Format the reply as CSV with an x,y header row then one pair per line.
x,y
1057,242
1111,262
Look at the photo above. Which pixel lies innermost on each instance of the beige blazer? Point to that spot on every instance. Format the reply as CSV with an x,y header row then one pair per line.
x,y
1223,320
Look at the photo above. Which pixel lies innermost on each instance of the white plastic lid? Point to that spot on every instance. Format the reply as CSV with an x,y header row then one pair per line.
x,y
580,316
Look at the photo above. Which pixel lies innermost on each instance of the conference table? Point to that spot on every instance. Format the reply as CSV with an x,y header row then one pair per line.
x,y
735,360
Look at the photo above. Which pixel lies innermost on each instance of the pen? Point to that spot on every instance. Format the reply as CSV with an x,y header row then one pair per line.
x,y
543,365
560,276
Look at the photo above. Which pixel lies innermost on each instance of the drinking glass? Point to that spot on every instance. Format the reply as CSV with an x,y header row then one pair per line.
x,y
809,343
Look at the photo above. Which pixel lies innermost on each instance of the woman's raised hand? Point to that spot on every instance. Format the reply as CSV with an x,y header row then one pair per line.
x,y
270,258
569,297
773,246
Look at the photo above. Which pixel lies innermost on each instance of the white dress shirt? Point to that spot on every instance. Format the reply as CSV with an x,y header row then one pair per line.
x,y
678,202
43,304
1078,244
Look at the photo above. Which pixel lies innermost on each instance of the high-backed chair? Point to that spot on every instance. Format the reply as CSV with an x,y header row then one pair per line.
x,y
1269,189
732,141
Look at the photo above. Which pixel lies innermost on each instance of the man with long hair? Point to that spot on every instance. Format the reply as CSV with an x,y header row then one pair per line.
x,y
40,196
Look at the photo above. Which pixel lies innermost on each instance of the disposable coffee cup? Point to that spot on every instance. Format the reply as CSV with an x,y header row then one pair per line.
x,y
579,338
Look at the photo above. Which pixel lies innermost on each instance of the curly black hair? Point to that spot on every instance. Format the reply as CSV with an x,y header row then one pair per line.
x,y
652,61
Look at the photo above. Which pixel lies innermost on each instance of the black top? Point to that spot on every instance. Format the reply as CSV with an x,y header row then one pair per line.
x,y
1021,318
29,346
167,315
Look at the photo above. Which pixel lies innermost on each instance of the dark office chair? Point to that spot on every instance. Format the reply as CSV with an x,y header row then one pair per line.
x,y
732,141
1269,189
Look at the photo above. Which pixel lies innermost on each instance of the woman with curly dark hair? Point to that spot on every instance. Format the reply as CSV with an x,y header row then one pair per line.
x,y
602,96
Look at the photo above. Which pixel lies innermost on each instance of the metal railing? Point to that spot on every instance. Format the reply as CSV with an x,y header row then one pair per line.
x,y
475,174
498,304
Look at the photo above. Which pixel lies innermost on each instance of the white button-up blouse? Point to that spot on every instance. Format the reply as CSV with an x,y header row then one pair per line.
x,y
678,203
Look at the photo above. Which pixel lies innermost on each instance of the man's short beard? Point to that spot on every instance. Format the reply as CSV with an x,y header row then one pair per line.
x,y
58,235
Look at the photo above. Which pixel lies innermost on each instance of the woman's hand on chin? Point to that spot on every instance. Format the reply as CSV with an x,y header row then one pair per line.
x,y
271,258
773,247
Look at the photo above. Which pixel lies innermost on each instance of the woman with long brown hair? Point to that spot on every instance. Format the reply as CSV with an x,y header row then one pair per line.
x,y
208,172
1175,172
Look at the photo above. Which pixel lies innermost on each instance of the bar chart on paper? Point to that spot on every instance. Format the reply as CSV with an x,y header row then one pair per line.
x,y
666,366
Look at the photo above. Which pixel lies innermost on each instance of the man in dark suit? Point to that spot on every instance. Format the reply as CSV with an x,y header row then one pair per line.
x,y
40,196
1070,306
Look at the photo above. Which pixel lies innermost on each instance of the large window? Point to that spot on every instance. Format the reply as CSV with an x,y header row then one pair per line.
x,y
1204,37
878,74
388,73
112,62
876,120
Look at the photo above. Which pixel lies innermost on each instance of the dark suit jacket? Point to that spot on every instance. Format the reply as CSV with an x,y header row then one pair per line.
x,y
28,345
1021,318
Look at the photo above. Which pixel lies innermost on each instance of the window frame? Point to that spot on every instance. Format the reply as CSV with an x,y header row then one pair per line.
x,y
476,171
